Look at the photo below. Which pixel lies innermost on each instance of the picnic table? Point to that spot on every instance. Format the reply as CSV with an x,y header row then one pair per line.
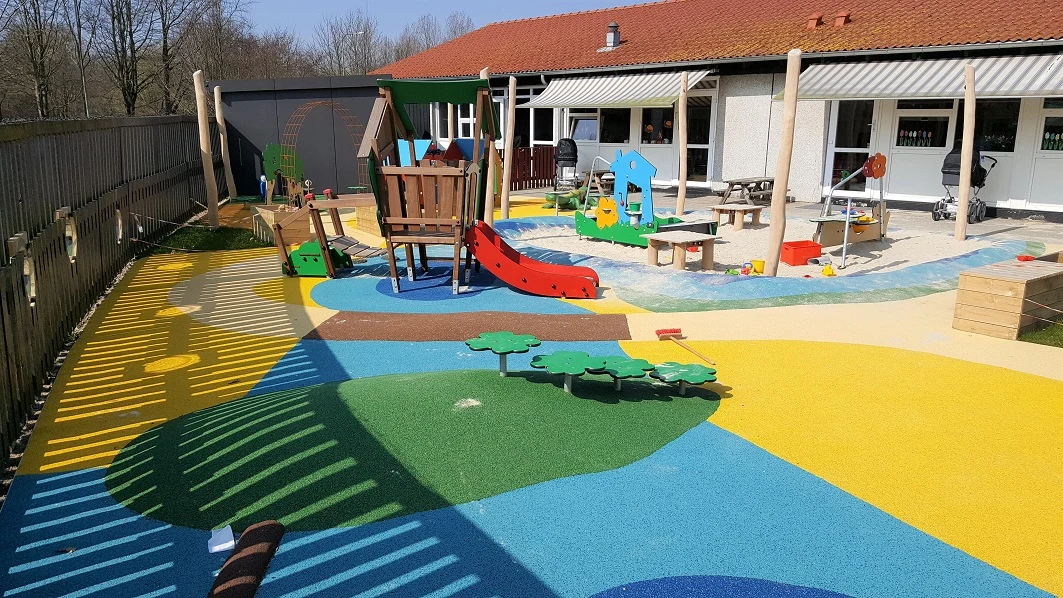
x,y
679,240
739,209
749,188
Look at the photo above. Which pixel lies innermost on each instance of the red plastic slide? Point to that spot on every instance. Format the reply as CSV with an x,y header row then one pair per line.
x,y
525,273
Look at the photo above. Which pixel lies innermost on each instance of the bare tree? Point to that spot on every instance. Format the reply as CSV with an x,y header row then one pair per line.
x,y
82,19
129,31
426,31
221,27
458,24
36,24
351,44
174,18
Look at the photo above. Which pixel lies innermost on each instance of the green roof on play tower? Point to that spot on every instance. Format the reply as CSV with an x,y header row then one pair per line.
x,y
460,91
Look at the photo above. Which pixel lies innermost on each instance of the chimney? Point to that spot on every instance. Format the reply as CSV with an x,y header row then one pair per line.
x,y
842,18
612,37
814,20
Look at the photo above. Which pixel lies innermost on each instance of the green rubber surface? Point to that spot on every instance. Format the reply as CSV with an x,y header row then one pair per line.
x,y
368,449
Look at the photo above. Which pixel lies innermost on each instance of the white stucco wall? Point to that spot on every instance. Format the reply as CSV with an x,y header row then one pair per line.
x,y
744,111
747,143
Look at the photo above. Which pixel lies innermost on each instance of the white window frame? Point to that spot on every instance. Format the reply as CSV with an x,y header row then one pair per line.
x,y
950,129
711,92
1046,113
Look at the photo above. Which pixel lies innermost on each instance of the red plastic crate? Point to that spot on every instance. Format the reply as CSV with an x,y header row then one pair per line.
x,y
797,253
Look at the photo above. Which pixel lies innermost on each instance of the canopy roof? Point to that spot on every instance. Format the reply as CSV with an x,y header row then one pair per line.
x,y
995,76
458,91
644,90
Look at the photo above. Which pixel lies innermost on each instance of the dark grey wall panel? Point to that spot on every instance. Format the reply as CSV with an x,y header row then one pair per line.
x,y
258,112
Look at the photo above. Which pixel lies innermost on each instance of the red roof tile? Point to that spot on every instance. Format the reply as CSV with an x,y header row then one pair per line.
x,y
701,30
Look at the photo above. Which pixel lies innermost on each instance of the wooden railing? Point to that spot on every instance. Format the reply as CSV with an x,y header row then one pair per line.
x,y
533,167
75,199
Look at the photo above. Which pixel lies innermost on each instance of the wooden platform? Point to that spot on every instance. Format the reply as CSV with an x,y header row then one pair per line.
x,y
1005,299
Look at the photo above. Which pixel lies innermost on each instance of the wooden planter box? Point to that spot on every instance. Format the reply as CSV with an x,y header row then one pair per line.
x,y
1004,300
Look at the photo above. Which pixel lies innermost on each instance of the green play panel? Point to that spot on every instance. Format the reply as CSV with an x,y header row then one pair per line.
x,y
369,449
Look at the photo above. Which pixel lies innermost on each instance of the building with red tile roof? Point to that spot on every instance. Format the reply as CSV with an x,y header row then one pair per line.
x,y
707,31
879,77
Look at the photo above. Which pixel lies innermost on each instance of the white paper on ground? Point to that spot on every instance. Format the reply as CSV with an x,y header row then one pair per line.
x,y
221,539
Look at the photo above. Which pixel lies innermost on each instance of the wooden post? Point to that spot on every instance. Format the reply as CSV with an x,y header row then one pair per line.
x,y
204,149
507,158
223,134
489,154
777,230
681,129
966,153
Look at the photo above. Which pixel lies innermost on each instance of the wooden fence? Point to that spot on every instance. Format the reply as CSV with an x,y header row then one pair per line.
x,y
533,167
75,199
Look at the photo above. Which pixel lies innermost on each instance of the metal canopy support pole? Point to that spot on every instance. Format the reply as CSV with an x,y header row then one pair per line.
x,y
966,153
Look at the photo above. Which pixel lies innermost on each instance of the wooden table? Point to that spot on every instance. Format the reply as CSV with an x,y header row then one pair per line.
x,y
680,240
751,186
741,209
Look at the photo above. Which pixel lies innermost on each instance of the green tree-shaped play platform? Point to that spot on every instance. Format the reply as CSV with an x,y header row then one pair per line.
x,y
622,367
503,343
684,374
569,363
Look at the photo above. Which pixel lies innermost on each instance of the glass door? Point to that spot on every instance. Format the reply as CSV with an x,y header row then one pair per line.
x,y
849,143
700,137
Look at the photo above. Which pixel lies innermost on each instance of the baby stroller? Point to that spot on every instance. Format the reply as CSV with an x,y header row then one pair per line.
x,y
565,158
950,177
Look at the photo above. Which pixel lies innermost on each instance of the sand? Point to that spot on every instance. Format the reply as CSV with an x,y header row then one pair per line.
x,y
899,250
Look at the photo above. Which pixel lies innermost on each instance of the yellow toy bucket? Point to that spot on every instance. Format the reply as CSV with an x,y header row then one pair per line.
x,y
758,266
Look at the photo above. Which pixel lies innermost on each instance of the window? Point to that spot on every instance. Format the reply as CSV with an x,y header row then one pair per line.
x,y
465,121
615,125
922,131
1052,138
441,120
1053,103
925,104
854,124
657,125
996,123
544,125
699,120
522,127
852,138
584,129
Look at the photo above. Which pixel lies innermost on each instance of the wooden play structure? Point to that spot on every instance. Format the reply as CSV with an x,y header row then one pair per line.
x,y
323,254
432,201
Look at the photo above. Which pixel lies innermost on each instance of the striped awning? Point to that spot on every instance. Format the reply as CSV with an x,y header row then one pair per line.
x,y
995,76
653,90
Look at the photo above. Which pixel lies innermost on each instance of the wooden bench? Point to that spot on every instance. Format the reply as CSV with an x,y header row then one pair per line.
x,y
739,209
1008,298
679,240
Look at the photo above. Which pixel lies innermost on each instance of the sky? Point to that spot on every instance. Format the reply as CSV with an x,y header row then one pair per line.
x,y
394,14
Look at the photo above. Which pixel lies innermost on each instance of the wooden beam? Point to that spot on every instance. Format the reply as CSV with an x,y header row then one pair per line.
x,y
489,153
451,127
681,128
777,231
966,153
205,154
507,157
223,134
